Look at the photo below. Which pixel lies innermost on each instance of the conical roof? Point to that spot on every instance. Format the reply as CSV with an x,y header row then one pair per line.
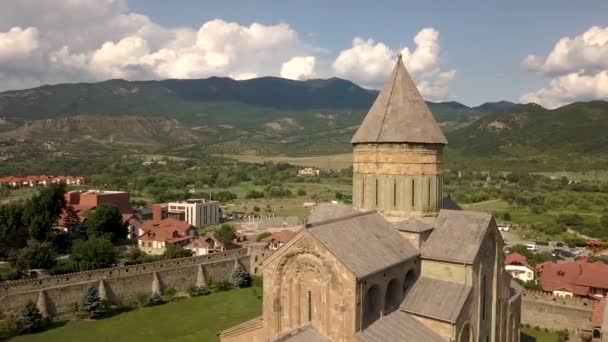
x,y
399,114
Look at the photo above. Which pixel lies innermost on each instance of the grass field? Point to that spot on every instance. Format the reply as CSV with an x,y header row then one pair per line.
x,y
193,319
332,161
533,335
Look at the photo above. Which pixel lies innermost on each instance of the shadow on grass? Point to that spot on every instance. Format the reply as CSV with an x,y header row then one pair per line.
x,y
527,338
7,335
114,311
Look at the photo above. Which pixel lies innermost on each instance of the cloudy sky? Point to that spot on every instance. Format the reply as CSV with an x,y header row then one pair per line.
x,y
551,52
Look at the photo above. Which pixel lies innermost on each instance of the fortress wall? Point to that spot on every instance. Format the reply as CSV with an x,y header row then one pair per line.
x,y
120,284
548,311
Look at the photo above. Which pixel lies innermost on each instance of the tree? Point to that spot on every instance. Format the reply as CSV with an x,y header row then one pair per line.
x,y
35,255
42,211
93,253
105,220
240,277
4,191
31,319
176,251
262,236
301,192
604,220
91,305
13,232
226,233
506,216
70,219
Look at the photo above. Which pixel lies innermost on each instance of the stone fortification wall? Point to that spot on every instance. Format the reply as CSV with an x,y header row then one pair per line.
x,y
121,284
548,311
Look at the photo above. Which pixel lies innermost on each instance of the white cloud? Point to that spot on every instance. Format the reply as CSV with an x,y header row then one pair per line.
x,y
570,88
298,68
92,40
579,67
17,43
588,51
369,63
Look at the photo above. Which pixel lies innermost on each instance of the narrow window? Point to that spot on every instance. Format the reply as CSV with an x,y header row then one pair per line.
x,y
395,193
413,191
362,191
376,192
309,306
429,198
483,298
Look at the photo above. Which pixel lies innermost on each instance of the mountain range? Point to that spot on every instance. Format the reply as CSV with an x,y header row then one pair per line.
x,y
272,115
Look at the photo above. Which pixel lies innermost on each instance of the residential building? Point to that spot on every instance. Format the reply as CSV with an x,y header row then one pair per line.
x,y
278,239
576,278
197,212
518,267
42,180
309,171
361,273
159,232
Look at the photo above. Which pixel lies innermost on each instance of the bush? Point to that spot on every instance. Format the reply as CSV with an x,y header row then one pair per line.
x,y
169,294
142,299
262,235
256,280
91,305
220,286
155,299
176,251
301,192
196,291
31,319
240,277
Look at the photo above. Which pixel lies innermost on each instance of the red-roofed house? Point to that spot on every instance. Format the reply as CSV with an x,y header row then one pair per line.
x,y
157,234
278,239
574,278
517,265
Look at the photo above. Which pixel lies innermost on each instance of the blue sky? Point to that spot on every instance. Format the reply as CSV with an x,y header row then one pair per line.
x,y
480,45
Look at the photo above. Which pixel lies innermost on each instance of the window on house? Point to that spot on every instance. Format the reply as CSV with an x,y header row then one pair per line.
x,y
309,306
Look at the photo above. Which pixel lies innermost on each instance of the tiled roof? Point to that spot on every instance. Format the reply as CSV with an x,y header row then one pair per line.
x,y
436,298
517,259
399,114
197,243
303,334
457,236
365,242
164,230
559,276
398,326
412,225
328,211
282,236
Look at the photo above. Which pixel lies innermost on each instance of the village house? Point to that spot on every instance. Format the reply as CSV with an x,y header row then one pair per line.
x,y
576,278
278,239
155,234
517,265
209,244
42,180
309,171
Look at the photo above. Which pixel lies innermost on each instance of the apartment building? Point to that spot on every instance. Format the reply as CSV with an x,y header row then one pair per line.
x,y
197,212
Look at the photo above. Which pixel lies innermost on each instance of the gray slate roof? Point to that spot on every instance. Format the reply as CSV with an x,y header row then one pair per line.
x,y
328,211
412,225
306,334
457,236
398,326
364,242
436,298
399,114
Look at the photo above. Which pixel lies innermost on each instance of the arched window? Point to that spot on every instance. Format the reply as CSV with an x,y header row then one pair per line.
x,y
392,298
408,281
371,306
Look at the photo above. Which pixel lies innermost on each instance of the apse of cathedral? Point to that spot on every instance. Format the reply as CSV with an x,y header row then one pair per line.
x,y
403,263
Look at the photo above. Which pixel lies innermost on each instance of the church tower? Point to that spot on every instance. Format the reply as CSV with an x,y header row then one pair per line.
x,y
398,153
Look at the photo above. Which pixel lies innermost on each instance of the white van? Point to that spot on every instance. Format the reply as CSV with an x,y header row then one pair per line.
x,y
531,247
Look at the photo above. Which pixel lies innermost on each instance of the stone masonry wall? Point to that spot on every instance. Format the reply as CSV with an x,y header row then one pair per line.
x,y
120,284
548,311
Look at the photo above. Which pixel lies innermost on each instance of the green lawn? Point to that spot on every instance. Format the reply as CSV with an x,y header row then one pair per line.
x,y
192,319
533,335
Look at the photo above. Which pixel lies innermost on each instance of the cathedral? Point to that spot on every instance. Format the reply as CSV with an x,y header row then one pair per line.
x,y
402,263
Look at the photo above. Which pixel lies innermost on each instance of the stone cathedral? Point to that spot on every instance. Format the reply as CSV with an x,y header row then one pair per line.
x,y
403,263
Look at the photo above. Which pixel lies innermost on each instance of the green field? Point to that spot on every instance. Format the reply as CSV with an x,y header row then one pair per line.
x,y
331,161
534,335
193,319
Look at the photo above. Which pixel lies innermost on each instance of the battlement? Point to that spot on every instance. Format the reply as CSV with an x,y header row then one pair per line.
x,y
16,286
541,296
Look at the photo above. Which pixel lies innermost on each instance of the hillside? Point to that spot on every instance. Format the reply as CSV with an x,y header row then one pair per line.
x,y
260,115
524,130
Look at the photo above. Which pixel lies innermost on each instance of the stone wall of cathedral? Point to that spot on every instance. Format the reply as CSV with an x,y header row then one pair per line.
x,y
398,180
